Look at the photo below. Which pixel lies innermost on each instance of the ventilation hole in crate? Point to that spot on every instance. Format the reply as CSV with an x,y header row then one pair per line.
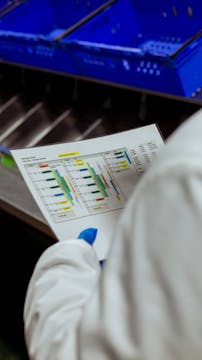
x,y
174,10
190,11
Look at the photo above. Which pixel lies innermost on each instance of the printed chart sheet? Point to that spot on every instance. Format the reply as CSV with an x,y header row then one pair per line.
x,y
87,183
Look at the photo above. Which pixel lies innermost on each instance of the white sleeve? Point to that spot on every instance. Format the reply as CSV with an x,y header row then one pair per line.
x,y
147,302
61,284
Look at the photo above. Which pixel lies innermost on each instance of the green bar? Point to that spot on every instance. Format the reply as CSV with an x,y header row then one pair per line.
x,y
65,184
118,153
95,192
54,187
92,184
97,180
87,177
50,179
102,185
46,171
60,180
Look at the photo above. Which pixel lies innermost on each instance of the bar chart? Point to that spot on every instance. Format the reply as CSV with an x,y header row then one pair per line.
x,y
77,186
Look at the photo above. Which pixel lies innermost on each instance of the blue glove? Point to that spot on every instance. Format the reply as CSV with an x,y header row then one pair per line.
x,y
88,235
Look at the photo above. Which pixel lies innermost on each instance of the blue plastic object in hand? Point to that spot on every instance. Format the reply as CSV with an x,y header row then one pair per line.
x,y
88,235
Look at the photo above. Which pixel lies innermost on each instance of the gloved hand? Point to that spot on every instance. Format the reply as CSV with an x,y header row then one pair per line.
x,y
88,235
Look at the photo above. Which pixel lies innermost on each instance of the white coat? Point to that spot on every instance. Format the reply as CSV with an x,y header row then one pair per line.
x,y
147,302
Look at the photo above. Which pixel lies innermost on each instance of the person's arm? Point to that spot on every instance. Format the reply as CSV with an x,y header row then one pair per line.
x,y
64,278
146,304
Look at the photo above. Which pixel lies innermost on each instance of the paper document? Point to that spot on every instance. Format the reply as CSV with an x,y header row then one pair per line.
x,y
87,183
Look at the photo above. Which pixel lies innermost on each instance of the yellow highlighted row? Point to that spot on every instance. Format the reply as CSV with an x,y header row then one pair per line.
x,y
67,208
124,166
124,162
80,163
69,154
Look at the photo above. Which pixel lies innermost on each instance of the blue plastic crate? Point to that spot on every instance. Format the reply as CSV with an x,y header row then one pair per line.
x,y
47,19
148,45
155,46
30,31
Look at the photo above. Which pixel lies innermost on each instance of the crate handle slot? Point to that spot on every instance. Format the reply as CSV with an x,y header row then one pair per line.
x,y
174,10
190,11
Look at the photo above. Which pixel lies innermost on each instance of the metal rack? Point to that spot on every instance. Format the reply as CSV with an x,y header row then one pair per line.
x,y
38,108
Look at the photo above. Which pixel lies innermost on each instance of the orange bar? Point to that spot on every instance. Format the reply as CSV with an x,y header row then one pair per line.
x,y
43,166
